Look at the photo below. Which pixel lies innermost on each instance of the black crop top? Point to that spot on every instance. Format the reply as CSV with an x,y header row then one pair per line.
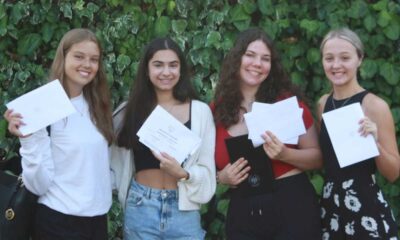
x,y
144,159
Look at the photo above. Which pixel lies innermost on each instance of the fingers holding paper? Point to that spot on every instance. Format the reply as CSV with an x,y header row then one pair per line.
x,y
235,173
169,165
273,147
14,122
368,127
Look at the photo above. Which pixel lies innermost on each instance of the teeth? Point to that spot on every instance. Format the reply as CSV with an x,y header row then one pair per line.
x,y
84,73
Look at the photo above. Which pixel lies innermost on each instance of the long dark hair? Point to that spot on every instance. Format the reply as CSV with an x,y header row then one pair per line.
x,y
228,95
143,99
97,92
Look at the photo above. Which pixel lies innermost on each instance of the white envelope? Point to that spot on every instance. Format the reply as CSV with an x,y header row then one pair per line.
x,y
42,107
283,118
349,146
161,132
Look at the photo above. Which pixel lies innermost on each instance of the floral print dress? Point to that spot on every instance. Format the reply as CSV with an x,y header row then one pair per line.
x,y
352,205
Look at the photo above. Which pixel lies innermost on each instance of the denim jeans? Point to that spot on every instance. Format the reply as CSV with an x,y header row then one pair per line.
x,y
154,214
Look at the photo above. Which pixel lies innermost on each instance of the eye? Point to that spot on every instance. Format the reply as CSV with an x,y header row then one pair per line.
x,y
266,59
94,60
249,54
78,56
328,59
174,65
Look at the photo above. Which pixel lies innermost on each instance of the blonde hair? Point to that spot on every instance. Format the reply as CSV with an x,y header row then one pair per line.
x,y
347,35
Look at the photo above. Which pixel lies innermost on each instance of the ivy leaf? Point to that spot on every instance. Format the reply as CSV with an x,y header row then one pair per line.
x,y
265,7
313,55
3,26
368,68
66,9
297,78
357,10
380,5
390,72
369,23
17,13
213,39
249,7
179,26
384,18
2,11
3,129
29,43
47,32
242,25
392,31
162,26
317,181
237,13
122,62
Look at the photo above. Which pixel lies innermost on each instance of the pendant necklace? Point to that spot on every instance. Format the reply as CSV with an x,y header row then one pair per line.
x,y
344,103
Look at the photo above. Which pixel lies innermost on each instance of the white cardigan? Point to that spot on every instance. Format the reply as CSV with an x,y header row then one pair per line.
x,y
201,185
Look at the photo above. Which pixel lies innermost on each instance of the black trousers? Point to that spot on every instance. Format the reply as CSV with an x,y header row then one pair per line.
x,y
53,225
290,212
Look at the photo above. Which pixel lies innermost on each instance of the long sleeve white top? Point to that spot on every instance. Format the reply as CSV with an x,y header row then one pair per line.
x,y
70,169
201,185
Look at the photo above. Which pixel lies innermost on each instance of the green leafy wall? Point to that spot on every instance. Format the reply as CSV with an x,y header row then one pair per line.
x,y
30,31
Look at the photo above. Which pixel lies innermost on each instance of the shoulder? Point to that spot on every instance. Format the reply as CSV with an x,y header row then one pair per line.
x,y
322,100
321,103
375,105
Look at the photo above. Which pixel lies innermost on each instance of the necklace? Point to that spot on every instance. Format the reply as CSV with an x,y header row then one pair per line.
x,y
344,103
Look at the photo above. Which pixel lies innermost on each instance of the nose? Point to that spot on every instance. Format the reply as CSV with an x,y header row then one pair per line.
x,y
166,71
86,63
257,61
336,63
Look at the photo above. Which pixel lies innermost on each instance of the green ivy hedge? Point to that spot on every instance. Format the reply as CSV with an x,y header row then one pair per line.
x,y
30,31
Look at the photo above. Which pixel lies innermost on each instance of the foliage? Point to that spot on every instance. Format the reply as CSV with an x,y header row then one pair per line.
x,y
31,29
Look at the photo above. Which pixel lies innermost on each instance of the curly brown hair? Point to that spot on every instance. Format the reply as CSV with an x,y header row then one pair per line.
x,y
228,95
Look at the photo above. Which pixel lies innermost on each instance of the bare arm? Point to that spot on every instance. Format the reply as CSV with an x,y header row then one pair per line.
x,y
377,110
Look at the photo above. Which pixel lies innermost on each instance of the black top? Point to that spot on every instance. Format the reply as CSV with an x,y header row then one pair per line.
x,y
144,159
261,175
331,164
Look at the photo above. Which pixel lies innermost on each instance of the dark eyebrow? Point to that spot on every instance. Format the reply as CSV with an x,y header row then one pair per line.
x,y
156,61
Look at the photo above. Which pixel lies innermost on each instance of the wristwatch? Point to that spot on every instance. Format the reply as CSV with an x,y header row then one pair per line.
x,y
184,179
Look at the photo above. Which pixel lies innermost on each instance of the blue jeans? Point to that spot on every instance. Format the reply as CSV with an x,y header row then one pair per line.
x,y
153,214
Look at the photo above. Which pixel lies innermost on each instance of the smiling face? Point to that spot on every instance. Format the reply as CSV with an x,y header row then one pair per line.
x,y
81,65
340,61
164,70
255,64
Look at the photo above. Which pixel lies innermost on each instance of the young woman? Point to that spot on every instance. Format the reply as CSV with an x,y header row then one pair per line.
x,y
69,170
164,197
353,206
252,71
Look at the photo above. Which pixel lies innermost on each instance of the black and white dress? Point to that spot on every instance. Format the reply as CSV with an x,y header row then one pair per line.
x,y
352,204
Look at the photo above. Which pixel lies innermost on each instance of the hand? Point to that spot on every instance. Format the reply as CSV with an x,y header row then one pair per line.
x,y
234,174
273,147
368,127
14,122
170,165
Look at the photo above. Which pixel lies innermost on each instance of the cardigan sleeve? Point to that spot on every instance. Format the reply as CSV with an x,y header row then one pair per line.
x,y
201,185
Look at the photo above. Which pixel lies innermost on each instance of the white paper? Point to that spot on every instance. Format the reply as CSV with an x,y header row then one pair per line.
x,y
161,132
284,119
287,127
42,107
350,147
